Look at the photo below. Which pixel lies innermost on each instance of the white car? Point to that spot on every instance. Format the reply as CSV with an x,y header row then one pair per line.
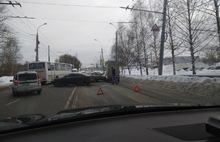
x,y
26,81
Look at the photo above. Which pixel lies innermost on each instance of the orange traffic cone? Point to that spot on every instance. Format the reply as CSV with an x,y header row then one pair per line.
x,y
136,89
100,92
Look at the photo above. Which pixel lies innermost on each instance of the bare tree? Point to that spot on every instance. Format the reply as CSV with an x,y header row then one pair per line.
x,y
191,23
9,56
9,49
66,58
173,43
211,55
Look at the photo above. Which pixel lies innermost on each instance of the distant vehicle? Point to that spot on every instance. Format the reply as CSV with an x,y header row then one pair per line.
x,y
210,68
98,76
26,81
48,71
74,70
74,78
108,73
217,68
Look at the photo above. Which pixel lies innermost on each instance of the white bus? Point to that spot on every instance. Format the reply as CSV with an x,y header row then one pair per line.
x,y
48,71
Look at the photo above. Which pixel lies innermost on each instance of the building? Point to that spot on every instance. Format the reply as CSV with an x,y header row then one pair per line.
x,y
180,60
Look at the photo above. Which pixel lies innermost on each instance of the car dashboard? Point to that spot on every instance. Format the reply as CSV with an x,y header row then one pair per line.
x,y
157,126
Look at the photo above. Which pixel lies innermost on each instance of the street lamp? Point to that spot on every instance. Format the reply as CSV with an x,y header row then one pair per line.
x,y
37,41
102,58
116,42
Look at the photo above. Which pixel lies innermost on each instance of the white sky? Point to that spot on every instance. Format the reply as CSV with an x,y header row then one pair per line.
x,y
70,29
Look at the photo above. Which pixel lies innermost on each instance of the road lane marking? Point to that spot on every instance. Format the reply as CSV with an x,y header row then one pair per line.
x,y
75,100
12,102
70,98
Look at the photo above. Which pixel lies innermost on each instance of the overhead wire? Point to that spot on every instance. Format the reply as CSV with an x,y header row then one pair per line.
x,y
45,38
69,5
27,27
26,24
23,32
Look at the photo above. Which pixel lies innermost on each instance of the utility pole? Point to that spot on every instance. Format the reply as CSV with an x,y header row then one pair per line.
x,y
102,60
116,44
48,53
37,41
162,38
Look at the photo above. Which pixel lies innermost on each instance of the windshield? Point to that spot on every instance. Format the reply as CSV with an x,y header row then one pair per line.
x,y
27,76
95,53
36,65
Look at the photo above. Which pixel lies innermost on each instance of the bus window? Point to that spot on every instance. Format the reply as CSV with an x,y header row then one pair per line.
x,y
56,66
37,66
48,66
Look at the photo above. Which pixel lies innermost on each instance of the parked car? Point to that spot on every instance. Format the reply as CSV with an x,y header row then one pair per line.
x,y
98,76
217,68
74,78
26,81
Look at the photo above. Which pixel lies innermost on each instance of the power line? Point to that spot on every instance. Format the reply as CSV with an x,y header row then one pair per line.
x,y
25,17
21,19
23,32
70,5
68,20
10,3
47,40
31,30
132,8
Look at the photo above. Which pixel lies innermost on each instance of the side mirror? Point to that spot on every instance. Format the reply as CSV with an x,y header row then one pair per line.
x,y
11,80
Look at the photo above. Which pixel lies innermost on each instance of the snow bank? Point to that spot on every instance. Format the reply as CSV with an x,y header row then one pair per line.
x,y
203,88
5,81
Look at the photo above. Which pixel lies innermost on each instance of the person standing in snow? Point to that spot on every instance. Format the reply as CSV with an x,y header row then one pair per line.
x,y
114,80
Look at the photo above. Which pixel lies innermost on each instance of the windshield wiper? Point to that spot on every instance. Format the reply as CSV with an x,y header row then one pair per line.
x,y
120,110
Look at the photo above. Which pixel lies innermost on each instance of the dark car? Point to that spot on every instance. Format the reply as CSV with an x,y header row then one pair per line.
x,y
217,68
74,78
98,76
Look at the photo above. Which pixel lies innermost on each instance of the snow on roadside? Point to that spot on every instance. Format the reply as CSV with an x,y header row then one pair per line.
x,y
200,89
5,81
174,78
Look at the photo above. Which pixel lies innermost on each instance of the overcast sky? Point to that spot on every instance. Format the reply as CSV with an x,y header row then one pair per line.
x,y
72,27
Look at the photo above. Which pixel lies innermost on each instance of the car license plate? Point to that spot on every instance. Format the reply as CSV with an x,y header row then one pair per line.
x,y
25,84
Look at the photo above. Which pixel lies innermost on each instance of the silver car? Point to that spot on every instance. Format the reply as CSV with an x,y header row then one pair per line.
x,y
26,81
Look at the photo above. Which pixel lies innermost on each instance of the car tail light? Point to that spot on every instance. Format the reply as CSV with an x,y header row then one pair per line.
x,y
15,82
39,83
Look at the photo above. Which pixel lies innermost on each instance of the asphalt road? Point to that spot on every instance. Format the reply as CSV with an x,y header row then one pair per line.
x,y
48,103
54,99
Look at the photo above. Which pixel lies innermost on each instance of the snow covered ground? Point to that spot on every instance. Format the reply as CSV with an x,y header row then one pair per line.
x,y
168,75
5,81
203,89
